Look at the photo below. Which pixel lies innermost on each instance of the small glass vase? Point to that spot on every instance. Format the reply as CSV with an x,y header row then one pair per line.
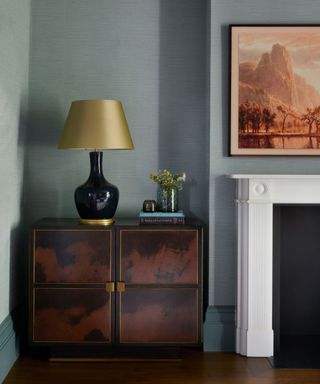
x,y
167,199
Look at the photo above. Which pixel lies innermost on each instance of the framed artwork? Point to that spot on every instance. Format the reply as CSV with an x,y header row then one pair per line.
x,y
275,90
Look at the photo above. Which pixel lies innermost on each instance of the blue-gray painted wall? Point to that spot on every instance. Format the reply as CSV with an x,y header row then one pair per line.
x,y
151,55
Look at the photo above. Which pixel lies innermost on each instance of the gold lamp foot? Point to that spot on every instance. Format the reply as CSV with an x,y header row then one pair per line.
x,y
97,222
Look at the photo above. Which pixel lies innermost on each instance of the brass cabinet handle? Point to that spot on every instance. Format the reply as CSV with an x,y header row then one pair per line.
x,y
120,286
110,286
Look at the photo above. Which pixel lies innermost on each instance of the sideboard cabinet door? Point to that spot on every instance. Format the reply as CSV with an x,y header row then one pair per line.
x,y
161,303
69,315
72,256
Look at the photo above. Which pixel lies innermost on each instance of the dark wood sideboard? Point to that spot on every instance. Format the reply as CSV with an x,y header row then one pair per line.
x,y
96,290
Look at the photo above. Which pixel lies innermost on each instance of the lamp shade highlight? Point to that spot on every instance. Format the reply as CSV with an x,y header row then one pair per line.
x,y
96,124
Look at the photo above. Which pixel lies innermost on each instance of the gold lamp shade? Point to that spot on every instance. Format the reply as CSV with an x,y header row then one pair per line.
x,y
96,124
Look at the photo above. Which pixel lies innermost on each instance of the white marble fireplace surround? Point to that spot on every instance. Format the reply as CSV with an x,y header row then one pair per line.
x,y
256,195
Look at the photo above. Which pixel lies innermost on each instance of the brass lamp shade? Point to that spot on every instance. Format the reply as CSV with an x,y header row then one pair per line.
x,y
96,124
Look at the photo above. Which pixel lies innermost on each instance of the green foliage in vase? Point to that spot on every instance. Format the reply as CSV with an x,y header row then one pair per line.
x,y
167,179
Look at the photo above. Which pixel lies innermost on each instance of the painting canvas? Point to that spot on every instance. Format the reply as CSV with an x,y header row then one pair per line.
x,y
275,90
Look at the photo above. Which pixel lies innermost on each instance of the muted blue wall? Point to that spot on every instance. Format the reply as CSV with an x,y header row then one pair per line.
x,y
151,55
14,66
222,190
14,71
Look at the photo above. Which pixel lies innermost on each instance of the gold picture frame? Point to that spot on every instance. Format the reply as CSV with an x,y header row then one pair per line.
x,y
275,90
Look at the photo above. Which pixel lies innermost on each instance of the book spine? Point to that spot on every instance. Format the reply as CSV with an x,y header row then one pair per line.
x,y
161,220
161,214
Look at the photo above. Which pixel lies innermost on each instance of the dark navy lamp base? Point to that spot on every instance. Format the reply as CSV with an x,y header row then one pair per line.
x,y
97,199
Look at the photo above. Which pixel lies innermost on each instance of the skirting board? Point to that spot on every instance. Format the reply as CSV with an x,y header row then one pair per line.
x,y
219,329
9,343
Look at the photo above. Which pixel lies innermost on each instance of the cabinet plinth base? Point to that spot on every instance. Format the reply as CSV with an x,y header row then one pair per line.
x,y
113,359
107,354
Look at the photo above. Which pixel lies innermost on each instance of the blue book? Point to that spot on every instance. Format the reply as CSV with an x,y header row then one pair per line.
x,y
161,214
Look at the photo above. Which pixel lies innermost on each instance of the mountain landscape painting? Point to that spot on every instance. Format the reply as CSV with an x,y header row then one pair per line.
x,y
275,90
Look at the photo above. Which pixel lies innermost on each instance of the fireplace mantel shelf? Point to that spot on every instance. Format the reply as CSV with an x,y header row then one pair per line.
x,y
255,198
273,176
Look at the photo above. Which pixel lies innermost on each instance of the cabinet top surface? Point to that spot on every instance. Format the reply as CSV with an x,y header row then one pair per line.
x,y
123,222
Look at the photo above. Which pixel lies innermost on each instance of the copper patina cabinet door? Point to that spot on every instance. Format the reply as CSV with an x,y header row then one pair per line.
x,y
161,301
70,268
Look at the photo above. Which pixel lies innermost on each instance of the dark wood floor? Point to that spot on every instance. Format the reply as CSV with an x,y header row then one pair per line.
x,y
195,367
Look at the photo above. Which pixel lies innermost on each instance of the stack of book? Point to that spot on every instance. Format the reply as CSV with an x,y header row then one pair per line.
x,y
161,217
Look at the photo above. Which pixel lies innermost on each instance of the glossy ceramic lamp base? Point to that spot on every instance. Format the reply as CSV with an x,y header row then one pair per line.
x,y
97,199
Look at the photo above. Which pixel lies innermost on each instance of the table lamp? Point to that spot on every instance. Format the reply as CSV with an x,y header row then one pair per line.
x,y
96,125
